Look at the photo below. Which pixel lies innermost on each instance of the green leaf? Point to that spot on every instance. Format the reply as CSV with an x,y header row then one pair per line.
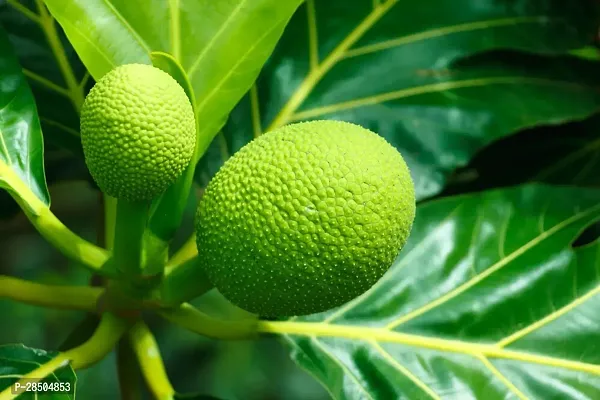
x,y
564,154
21,144
230,41
391,66
17,360
58,79
488,300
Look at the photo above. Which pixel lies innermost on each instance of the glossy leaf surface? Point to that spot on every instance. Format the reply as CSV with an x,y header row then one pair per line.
x,y
231,40
488,300
58,79
17,360
393,66
21,143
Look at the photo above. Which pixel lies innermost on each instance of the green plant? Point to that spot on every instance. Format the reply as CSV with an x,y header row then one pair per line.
x,y
491,103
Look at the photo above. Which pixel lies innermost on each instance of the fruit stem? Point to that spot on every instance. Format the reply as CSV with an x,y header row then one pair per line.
x,y
130,225
184,282
192,319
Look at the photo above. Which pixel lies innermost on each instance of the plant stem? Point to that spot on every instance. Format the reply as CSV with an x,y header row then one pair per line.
x,y
108,333
183,283
145,347
110,217
128,239
128,372
67,297
50,227
194,320
185,253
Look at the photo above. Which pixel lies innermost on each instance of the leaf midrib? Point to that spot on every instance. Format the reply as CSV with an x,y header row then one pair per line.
x,y
383,335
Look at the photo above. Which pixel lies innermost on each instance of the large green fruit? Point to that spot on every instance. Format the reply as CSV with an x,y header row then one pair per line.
x,y
305,218
138,132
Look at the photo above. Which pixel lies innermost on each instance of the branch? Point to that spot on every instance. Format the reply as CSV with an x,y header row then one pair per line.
x,y
152,366
183,282
50,227
196,321
55,296
128,372
185,253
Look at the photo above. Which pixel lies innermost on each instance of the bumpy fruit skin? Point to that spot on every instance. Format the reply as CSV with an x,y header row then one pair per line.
x,y
137,131
305,218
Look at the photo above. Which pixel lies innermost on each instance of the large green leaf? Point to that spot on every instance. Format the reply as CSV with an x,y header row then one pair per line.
x,y
21,144
58,79
392,66
488,300
230,42
221,45
17,360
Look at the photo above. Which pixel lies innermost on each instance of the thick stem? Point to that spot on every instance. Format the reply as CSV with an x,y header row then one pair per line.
x,y
50,227
128,239
106,336
183,283
194,320
185,253
110,218
128,372
67,297
151,364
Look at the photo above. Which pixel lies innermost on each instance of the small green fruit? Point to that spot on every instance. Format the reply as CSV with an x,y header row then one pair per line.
x,y
305,218
138,132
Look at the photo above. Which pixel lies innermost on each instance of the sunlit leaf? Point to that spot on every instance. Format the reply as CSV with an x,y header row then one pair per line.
x,y
392,66
17,360
231,41
488,300
21,144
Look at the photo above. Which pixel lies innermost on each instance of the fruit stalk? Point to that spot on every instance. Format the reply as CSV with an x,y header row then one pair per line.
x,y
130,225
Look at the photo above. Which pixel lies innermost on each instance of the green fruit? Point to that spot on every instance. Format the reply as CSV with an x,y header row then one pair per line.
x,y
305,218
138,132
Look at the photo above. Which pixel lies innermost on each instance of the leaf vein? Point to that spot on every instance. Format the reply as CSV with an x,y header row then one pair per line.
x,y
438,32
426,89
313,41
343,367
24,10
404,371
309,82
213,40
493,268
501,377
128,26
175,29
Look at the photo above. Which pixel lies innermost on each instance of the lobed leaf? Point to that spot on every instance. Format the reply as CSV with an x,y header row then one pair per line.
x,y
488,300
